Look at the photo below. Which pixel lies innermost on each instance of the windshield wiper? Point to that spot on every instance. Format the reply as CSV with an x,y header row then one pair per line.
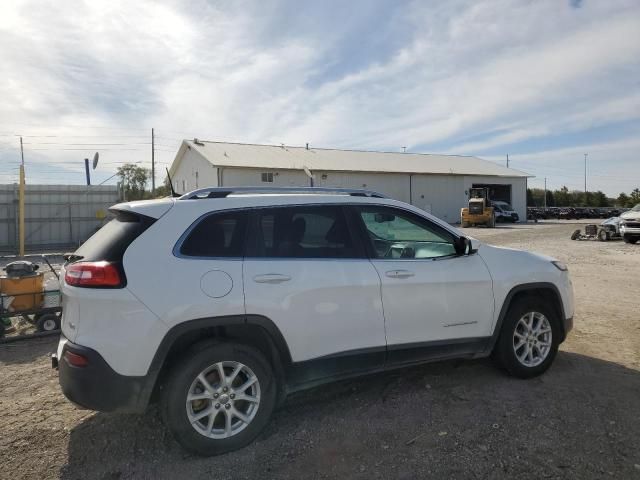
x,y
72,257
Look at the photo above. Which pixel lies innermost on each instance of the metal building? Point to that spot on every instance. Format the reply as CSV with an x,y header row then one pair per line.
x,y
438,184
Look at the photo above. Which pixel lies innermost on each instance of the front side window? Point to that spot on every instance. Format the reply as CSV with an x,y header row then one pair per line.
x,y
396,234
302,232
216,235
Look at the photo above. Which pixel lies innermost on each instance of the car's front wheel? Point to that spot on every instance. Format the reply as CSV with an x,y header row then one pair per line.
x,y
219,397
529,338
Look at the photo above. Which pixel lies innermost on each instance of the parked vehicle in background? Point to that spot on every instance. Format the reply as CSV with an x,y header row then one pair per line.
x,y
630,225
223,301
504,212
567,214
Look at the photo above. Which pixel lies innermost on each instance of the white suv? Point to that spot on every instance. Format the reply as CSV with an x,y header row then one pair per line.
x,y
223,301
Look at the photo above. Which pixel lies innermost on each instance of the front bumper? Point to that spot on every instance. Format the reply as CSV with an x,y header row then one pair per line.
x,y
97,386
627,230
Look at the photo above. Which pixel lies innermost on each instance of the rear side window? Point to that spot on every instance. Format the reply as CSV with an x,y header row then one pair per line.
x,y
110,242
302,232
216,235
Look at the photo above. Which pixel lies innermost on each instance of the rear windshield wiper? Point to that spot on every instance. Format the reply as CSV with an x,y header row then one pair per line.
x,y
72,257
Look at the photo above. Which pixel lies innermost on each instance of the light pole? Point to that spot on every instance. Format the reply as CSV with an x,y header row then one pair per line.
x,y
585,173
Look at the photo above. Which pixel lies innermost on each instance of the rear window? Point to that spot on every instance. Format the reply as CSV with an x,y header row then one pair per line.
x,y
302,232
216,235
110,242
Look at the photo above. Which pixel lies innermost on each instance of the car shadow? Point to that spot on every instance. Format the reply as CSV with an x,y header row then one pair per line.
x,y
28,349
462,419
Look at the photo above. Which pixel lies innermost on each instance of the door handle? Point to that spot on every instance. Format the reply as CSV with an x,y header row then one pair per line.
x,y
272,278
399,274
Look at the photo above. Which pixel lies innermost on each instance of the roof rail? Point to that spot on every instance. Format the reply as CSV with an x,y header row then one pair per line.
x,y
222,192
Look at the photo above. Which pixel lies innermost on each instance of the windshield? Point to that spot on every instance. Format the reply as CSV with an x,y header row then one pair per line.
x,y
504,205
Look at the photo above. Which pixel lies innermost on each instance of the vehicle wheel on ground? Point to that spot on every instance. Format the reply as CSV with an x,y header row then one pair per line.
x,y
603,235
47,322
629,239
465,224
492,222
575,235
219,397
529,338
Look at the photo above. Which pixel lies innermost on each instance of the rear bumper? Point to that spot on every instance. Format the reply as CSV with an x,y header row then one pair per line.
x,y
97,386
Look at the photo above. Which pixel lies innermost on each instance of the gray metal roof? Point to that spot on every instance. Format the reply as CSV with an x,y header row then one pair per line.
x,y
297,158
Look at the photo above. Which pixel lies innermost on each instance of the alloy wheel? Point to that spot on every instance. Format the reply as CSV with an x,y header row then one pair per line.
x,y
223,399
532,339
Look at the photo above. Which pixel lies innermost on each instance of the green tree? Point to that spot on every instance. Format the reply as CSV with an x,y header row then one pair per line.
x,y
634,198
562,197
133,179
622,200
550,199
163,190
530,201
601,199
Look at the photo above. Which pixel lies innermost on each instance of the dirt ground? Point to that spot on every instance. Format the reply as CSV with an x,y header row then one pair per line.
x,y
460,419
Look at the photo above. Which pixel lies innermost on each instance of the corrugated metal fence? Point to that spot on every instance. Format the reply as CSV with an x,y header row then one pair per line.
x,y
56,216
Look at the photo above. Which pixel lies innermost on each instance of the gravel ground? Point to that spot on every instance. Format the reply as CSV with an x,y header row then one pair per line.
x,y
447,420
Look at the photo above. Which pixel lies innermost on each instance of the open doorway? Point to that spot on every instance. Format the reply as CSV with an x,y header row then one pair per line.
x,y
497,192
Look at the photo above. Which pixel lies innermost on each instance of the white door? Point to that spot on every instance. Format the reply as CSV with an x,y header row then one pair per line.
x,y
429,293
305,272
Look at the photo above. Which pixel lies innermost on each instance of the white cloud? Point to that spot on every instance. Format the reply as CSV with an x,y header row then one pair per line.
x,y
498,70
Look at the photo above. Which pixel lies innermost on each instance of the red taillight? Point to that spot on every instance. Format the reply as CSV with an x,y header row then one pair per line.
x,y
93,274
75,360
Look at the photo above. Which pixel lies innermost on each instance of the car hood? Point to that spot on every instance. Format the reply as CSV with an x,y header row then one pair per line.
x,y
630,215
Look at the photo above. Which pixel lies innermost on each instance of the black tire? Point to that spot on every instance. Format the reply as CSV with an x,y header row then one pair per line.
x,y
48,322
603,235
575,235
504,352
195,361
630,239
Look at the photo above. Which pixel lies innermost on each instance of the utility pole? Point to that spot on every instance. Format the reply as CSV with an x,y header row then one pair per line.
x,y
21,203
585,175
153,163
545,192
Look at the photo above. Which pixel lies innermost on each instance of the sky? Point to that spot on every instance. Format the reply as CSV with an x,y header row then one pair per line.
x,y
542,81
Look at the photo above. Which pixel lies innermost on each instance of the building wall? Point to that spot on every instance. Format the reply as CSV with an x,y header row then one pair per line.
x,y
194,172
440,195
394,185
237,177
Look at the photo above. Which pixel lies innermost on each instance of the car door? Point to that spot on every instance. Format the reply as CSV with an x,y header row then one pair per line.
x,y
308,273
432,296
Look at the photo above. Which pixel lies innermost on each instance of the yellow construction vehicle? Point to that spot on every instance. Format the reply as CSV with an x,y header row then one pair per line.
x,y
479,211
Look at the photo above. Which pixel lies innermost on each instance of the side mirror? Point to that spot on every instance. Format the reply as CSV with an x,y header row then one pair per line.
x,y
464,246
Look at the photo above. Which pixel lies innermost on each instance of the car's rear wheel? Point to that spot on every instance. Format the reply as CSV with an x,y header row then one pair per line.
x,y
529,338
219,398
